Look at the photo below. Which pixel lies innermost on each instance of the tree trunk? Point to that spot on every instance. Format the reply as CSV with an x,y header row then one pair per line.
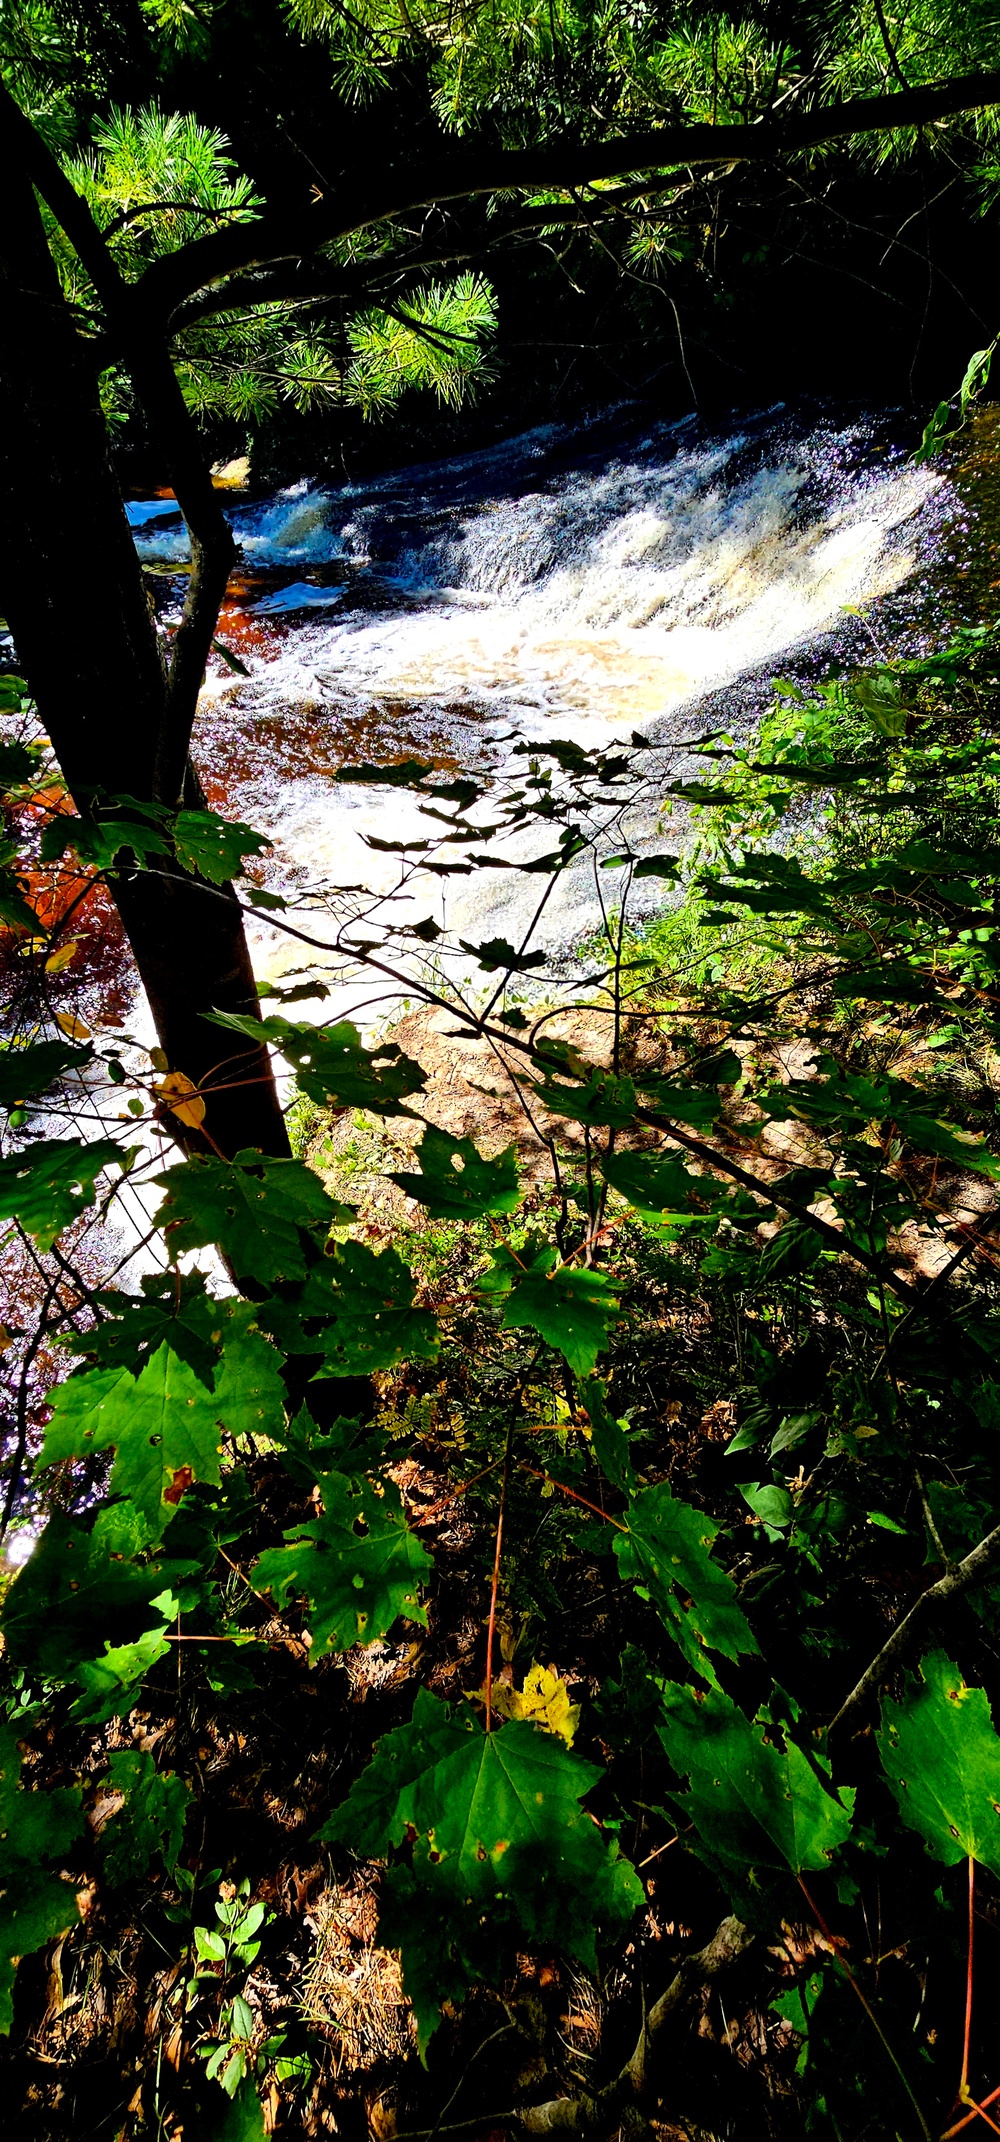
x,y
73,593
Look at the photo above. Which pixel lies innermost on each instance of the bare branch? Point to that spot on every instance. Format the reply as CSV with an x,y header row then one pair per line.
x,y
609,2108
978,1564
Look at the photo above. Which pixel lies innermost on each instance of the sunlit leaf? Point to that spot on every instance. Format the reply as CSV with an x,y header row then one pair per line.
x,y
358,1565
455,1182
333,1066
667,1552
214,847
759,1802
357,1310
165,1426
569,1306
941,1756
47,1185
252,1207
181,1096
504,1854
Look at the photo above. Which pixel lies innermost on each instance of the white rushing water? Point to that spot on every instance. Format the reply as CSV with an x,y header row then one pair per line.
x,y
569,583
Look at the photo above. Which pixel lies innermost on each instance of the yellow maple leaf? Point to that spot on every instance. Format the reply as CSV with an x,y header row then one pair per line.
x,y
76,1029
182,1098
61,957
544,1699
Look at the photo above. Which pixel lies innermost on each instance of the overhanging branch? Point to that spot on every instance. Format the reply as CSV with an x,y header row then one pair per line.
x,y
319,281
463,173
143,350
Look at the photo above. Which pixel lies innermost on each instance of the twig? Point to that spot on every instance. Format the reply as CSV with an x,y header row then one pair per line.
x,y
461,2127
977,2110
496,1576
571,1492
977,1565
845,1970
585,2116
439,2127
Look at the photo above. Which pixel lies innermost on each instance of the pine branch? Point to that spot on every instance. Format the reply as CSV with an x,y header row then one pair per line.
x,y
465,173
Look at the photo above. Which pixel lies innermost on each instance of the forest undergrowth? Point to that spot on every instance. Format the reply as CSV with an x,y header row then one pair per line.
x,y
499,1633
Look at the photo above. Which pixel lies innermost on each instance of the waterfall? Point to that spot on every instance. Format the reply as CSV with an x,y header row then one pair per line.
x,y
577,582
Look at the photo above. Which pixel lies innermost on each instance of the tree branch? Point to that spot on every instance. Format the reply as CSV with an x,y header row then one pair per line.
x,y
834,1237
320,281
603,2113
145,354
462,174
69,207
212,553
979,1563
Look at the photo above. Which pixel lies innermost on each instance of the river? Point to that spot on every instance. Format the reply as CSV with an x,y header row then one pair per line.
x,y
577,582
574,582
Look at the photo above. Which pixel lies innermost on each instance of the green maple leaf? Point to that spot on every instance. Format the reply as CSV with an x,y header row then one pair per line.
x,y
35,1828
249,1393
333,1066
658,1184
604,1099
757,1807
942,1759
175,1308
48,1184
24,1072
214,847
571,1309
150,1820
81,1587
252,1207
456,1183
667,1551
123,827
359,1565
165,1426
356,1309
109,1685
504,1853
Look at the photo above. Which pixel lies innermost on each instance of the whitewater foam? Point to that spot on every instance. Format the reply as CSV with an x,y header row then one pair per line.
x,y
578,584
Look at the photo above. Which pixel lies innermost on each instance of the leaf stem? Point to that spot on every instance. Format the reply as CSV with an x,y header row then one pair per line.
x,y
845,1969
498,1550
964,2084
968,2117
571,1492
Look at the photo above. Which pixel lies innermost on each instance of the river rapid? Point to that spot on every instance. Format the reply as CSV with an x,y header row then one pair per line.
x,y
572,582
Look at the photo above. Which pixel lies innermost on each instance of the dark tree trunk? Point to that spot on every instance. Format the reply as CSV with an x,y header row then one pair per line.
x,y
73,593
